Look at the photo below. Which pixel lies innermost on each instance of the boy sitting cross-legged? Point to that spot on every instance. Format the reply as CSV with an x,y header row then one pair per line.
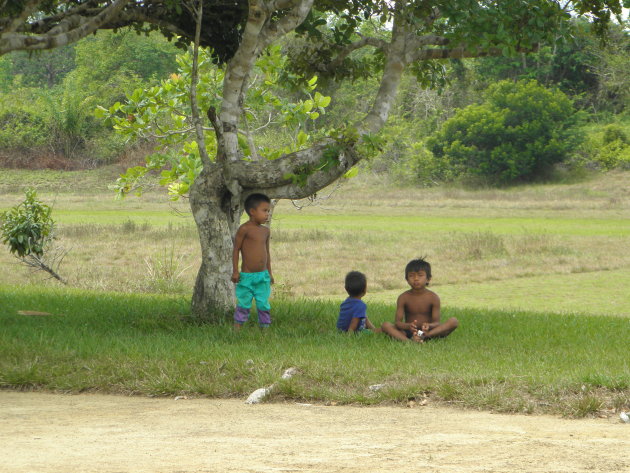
x,y
418,309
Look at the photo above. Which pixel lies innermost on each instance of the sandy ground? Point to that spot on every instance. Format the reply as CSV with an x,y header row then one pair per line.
x,y
95,433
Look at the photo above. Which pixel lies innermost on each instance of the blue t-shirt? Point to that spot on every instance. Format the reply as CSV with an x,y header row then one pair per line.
x,y
349,309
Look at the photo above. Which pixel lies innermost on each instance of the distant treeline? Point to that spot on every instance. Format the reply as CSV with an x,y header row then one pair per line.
x,y
47,103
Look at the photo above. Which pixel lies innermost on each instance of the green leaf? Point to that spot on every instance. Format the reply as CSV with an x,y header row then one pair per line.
x,y
307,106
302,138
100,112
351,173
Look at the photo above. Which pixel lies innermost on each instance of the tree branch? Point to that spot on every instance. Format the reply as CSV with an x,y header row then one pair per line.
x,y
460,53
287,23
278,177
201,142
236,74
138,16
314,182
394,66
414,41
28,10
275,5
13,41
350,48
44,25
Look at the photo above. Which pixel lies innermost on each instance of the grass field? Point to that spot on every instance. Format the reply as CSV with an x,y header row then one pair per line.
x,y
505,361
537,275
551,247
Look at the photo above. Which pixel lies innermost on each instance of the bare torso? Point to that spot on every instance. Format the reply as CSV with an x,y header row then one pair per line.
x,y
254,248
419,306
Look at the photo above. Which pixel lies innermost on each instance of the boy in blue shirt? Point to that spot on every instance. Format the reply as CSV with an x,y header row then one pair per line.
x,y
352,312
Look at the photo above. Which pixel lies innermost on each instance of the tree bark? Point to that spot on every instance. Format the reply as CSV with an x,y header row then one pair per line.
x,y
217,218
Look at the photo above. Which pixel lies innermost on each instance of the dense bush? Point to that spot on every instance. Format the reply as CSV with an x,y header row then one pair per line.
x,y
614,151
21,127
46,101
518,133
614,133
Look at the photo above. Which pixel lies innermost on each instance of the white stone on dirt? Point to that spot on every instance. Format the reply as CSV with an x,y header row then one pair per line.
x,y
258,395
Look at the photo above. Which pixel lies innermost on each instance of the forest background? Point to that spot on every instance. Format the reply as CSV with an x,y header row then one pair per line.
x,y
48,99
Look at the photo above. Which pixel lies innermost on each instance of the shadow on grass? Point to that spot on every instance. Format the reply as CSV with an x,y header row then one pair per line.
x,y
574,365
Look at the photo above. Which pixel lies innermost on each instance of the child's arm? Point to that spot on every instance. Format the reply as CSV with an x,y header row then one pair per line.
x,y
269,258
354,323
435,315
238,243
400,316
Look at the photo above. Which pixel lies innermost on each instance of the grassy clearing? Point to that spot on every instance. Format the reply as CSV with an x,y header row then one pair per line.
x,y
472,237
593,293
141,344
537,275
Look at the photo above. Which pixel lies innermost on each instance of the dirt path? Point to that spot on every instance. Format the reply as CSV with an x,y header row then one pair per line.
x,y
95,433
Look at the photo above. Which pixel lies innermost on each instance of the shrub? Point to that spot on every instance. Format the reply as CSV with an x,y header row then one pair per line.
x,y
614,133
27,228
22,129
615,154
426,168
517,134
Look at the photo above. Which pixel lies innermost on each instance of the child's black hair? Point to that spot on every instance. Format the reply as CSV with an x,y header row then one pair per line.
x,y
356,283
419,264
254,200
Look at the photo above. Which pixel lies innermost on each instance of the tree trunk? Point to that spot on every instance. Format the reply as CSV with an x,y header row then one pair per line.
x,y
217,213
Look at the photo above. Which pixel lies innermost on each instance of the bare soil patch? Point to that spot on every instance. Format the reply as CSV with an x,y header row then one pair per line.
x,y
96,433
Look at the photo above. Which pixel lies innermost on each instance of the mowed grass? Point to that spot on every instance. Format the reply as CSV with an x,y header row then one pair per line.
x,y
507,361
537,275
593,293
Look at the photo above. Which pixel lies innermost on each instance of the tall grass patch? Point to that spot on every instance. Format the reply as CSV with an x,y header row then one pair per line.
x,y
471,236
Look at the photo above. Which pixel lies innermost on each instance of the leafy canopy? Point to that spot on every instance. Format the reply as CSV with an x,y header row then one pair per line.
x,y
281,119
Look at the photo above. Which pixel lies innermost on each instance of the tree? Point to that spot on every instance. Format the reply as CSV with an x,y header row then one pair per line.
x,y
31,25
42,124
519,132
415,34
44,68
564,63
611,66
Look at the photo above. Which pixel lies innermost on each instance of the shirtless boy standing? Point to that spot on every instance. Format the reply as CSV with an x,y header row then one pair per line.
x,y
418,309
255,278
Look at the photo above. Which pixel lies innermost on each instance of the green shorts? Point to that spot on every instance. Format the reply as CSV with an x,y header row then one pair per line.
x,y
254,286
